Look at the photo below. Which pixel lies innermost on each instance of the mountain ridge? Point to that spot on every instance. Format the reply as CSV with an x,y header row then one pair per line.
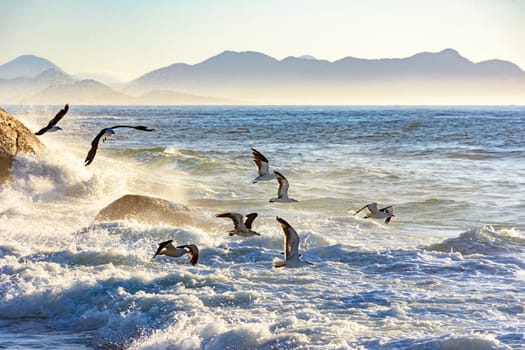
x,y
27,66
257,78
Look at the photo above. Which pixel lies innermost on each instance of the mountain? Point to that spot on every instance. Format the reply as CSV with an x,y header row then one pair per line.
x,y
27,66
87,91
104,78
251,77
80,92
15,90
167,97
33,80
444,77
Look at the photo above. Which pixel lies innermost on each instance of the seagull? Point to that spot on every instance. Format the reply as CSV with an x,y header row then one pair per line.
x,y
263,167
282,192
51,126
104,134
386,213
240,228
291,248
167,248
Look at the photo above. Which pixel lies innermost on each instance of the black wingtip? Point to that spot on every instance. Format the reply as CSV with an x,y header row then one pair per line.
x,y
144,128
279,174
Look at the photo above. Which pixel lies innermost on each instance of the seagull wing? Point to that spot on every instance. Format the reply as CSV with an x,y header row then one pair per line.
x,y
249,220
282,192
138,127
94,146
372,208
53,121
261,161
360,210
236,218
162,246
96,140
193,251
291,240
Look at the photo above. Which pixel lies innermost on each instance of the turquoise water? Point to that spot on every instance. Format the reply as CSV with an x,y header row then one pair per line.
x,y
447,271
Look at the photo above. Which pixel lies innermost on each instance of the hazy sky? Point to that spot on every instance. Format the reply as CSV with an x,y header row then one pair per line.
x,y
127,38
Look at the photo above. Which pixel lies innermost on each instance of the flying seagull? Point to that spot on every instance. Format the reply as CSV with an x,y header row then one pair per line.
x,y
291,248
386,213
282,192
51,126
167,248
262,166
240,228
104,134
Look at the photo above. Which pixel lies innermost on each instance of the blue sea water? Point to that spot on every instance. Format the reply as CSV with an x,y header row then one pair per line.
x,y
448,272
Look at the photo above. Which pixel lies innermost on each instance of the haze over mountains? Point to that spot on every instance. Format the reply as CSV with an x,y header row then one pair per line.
x,y
248,77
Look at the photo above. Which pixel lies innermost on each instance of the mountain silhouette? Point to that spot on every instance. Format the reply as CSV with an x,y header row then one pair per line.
x,y
250,77
27,66
253,76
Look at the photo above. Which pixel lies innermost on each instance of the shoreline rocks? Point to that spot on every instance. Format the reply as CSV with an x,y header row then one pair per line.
x,y
148,210
15,138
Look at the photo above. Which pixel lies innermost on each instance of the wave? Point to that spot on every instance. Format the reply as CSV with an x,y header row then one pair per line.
x,y
485,240
59,175
463,342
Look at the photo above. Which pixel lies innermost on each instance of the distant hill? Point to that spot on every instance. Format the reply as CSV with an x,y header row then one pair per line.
x,y
85,92
27,66
167,97
106,79
80,92
442,77
34,80
250,77
17,90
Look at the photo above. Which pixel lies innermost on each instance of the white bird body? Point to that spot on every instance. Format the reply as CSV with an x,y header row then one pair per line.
x,y
263,167
291,248
282,191
107,134
240,228
54,128
384,213
167,248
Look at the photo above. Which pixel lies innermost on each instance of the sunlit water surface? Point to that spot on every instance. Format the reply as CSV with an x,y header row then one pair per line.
x,y
447,272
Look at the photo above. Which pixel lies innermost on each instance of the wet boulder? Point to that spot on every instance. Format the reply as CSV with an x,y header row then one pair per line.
x,y
15,138
148,210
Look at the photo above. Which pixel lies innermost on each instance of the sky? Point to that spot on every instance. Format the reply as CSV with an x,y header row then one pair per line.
x,y
128,38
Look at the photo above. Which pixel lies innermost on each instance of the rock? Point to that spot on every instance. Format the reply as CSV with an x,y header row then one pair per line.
x,y
15,138
149,210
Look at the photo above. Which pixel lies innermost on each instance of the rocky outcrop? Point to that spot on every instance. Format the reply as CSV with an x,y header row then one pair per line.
x,y
15,138
149,210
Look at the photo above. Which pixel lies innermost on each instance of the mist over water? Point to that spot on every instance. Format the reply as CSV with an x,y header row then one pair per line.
x,y
447,272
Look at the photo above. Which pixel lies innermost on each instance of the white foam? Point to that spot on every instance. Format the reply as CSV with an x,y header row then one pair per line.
x,y
463,342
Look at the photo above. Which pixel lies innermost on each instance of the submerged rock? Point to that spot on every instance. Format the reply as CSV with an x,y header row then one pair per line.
x,y
15,138
149,210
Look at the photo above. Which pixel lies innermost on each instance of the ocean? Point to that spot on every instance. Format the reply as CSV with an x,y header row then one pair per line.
x,y
448,272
